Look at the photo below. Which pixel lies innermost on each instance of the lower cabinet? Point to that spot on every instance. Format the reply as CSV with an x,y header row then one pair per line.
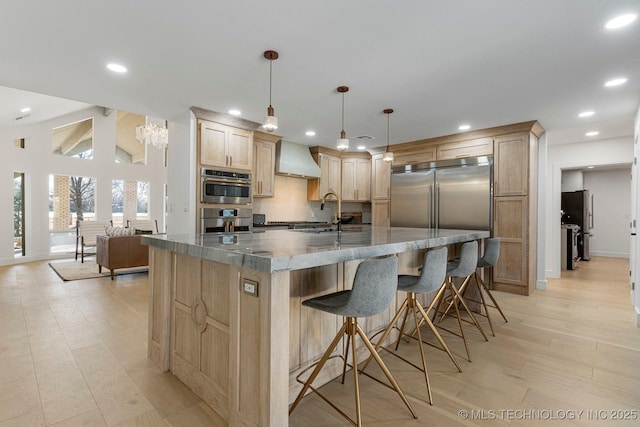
x,y
512,272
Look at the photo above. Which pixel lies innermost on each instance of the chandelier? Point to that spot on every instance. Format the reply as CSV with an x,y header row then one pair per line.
x,y
152,134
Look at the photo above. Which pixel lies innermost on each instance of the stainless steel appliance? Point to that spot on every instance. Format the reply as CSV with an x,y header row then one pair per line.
x,y
225,220
224,187
447,194
578,209
569,238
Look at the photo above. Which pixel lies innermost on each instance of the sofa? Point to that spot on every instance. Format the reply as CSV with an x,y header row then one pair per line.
x,y
114,252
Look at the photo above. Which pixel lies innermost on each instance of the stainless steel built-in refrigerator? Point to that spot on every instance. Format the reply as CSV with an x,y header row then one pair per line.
x,y
447,194
578,209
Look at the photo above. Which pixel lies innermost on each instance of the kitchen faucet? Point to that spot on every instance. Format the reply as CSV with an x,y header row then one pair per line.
x,y
338,219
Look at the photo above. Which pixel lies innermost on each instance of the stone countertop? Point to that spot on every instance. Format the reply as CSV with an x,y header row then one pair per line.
x,y
284,250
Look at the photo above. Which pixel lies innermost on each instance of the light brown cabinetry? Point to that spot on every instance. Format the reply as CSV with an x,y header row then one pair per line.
x,y
330,175
225,146
462,149
356,179
515,208
380,178
413,154
511,173
381,213
264,159
200,325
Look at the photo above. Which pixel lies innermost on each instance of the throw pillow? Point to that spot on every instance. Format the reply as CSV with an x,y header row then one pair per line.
x,y
118,231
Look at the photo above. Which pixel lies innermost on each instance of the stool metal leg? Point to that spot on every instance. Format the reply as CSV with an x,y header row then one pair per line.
x,y
318,367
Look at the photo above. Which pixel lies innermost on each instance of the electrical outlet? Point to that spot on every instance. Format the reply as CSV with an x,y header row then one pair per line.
x,y
250,287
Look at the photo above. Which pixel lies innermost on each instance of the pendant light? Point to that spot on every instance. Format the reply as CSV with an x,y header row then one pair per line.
x,y
270,122
388,155
343,142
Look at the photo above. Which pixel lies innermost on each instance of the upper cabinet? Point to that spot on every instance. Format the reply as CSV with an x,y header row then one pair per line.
x,y
380,178
330,174
225,146
462,149
356,179
511,171
264,159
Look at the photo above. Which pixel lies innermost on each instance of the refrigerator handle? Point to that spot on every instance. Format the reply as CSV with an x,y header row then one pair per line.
x,y
436,206
431,204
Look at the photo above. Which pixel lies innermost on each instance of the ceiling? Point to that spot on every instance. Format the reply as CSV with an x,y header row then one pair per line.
x,y
438,64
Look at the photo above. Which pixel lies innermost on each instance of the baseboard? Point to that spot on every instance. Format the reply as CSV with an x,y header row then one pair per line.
x,y
611,254
541,285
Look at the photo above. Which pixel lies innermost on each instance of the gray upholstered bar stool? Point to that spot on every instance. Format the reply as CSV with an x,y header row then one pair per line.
x,y
463,268
487,260
374,286
431,279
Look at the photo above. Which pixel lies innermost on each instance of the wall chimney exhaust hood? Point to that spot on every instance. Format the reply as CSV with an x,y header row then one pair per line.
x,y
295,160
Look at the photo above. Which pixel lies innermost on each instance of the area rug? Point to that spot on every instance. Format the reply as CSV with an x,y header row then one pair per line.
x,y
75,270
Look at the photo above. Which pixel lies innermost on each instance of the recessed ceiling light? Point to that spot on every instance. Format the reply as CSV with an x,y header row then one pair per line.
x,y
590,167
620,21
586,114
464,127
25,109
361,147
310,133
616,82
117,68
234,112
592,133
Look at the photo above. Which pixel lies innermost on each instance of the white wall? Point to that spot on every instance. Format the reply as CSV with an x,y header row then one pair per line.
x,y
37,162
572,180
181,186
570,156
611,191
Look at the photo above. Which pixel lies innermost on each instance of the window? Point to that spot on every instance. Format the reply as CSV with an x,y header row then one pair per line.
x,y
74,140
18,214
71,198
129,200
128,148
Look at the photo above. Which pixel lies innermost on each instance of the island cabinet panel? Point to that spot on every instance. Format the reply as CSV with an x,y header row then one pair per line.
x,y
462,149
510,225
511,170
160,274
200,324
225,146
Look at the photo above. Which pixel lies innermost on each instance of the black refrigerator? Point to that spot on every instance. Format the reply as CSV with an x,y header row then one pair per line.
x,y
578,209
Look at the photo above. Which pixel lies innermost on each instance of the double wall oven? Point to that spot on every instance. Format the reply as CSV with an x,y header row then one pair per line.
x,y
222,195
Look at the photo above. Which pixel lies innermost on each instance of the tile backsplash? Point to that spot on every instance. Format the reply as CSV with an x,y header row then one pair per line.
x,y
290,204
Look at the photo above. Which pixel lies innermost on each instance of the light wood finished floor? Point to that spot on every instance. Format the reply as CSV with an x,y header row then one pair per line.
x,y
74,354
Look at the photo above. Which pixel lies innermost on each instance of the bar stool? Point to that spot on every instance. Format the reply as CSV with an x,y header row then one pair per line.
x,y
487,260
463,268
431,279
374,286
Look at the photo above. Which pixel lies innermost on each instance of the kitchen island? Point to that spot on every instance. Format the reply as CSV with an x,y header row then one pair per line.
x,y
225,311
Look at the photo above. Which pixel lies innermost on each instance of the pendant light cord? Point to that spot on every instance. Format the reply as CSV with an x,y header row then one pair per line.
x,y
270,64
388,130
342,111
